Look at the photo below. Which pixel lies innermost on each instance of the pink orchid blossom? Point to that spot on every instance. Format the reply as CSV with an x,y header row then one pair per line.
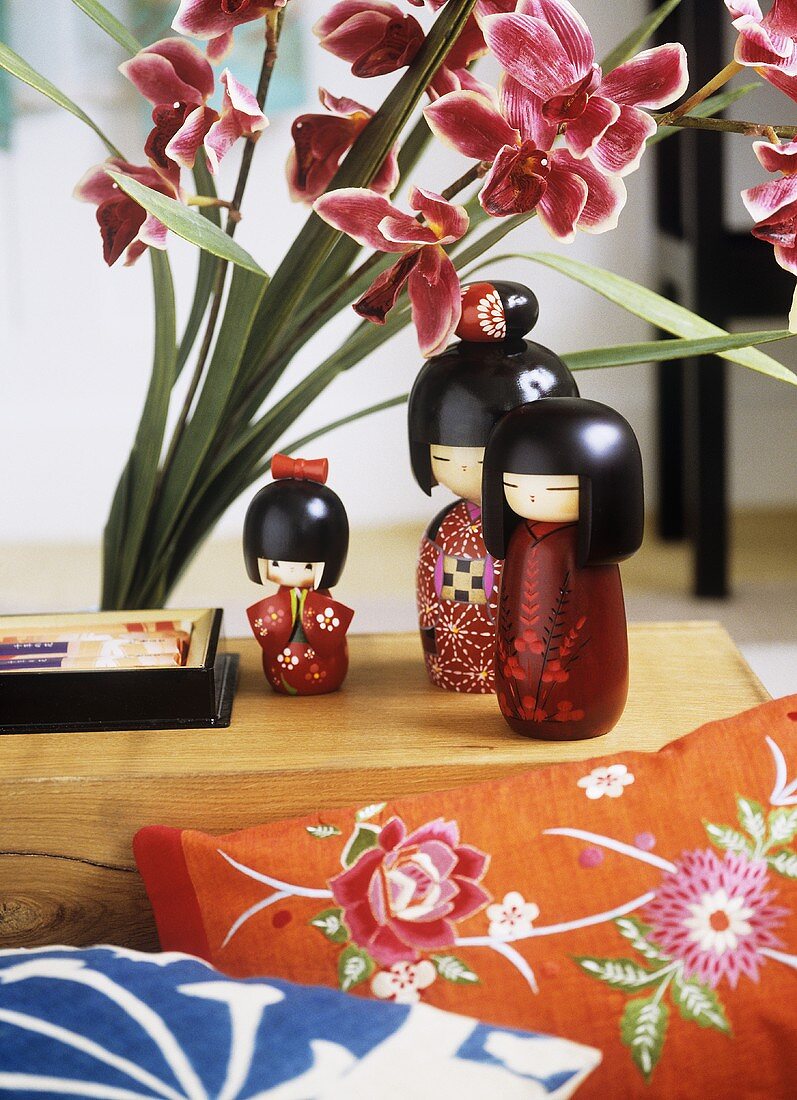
x,y
240,117
406,895
320,142
454,74
374,35
773,205
554,86
176,78
217,19
568,194
126,228
768,43
432,281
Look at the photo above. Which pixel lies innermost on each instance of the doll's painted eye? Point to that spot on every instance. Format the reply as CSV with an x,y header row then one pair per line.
x,y
510,485
561,488
275,563
308,567
439,458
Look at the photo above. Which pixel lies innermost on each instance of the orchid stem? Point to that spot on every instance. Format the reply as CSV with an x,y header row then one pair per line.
x,y
728,125
716,82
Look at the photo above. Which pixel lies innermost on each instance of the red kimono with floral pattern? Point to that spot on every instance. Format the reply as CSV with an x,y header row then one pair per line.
x,y
303,637
562,651
457,590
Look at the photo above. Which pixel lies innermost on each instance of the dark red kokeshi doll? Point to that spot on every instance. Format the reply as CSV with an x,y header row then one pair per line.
x,y
563,501
296,535
457,399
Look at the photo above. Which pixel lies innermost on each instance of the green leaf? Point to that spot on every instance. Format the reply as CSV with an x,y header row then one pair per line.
x,y
354,966
454,970
622,974
322,831
633,930
710,107
699,1004
329,923
207,267
658,351
370,811
17,66
363,838
728,838
782,825
643,1029
110,24
634,42
650,306
751,817
187,223
785,863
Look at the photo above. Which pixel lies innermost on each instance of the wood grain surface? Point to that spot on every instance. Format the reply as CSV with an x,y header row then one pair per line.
x,y
70,803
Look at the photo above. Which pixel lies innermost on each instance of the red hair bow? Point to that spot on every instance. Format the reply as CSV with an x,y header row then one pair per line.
x,y
304,469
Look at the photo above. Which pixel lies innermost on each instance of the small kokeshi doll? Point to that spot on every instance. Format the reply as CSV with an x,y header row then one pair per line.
x,y
457,399
296,536
563,503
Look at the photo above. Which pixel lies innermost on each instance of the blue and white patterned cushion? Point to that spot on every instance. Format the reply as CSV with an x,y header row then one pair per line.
x,y
113,1024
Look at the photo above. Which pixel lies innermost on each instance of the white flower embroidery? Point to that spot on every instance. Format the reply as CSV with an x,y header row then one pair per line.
x,y
403,982
717,922
329,620
513,917
611,781
490,312
287,659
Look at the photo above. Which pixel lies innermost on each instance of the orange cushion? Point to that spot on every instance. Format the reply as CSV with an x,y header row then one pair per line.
x,y
642,904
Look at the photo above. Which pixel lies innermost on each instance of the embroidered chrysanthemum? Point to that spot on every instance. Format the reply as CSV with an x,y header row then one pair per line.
x,y
490,312
716,915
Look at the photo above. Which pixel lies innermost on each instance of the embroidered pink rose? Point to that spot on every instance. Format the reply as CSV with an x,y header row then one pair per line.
x,y
406,895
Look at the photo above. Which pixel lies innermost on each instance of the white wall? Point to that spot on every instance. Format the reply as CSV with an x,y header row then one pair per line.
x,y
75,337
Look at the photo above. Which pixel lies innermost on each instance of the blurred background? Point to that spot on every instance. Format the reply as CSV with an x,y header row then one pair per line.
x,y
75,351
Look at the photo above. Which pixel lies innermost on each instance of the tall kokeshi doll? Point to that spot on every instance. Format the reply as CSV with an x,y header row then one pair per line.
x,y
296,536
457,399
563,503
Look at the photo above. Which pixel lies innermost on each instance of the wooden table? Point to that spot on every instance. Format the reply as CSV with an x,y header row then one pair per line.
x,y
70,803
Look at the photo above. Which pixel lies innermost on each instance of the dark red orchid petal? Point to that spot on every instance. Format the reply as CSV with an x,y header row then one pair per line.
x,y
168,121
400,43
119,219
235,7
517,180
381,295
780,229
571,104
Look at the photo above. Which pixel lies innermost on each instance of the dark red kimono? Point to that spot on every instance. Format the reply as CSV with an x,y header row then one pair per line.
x,y
303,637
562,643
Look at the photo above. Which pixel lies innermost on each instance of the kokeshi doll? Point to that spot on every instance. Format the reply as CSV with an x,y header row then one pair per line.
x,y
296,536
563,502
456,400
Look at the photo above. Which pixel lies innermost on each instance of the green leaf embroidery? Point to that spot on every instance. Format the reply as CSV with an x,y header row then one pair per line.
x,y
622,974
363,838
699,1003
785,863
782,825
751,817
729,839
642,1030
636,932
323,831
370,811
329,923
354,966
454,970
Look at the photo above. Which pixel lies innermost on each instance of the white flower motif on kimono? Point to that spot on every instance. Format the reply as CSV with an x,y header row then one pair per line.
x,y
287,659
328,621
611,781
403,982
513,917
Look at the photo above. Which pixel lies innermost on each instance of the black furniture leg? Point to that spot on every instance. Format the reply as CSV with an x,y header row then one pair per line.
x,y
706,476
670,384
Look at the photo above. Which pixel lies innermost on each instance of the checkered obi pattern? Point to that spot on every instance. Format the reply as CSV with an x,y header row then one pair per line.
x,y
463,579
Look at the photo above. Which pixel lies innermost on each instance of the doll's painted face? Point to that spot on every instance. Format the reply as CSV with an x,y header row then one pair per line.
x,y
459,469
289,574
546,498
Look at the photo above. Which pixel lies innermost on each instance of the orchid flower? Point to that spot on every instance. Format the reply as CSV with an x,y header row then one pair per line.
x,y
773,205
126,228
432,281
567,193
454,74
374,35
217,19
553,84
768,43
240,117
320,141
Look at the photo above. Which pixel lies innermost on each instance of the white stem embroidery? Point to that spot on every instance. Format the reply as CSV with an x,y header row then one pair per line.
x,y
779,956
783,793
252,911
289,887
616,846
505,949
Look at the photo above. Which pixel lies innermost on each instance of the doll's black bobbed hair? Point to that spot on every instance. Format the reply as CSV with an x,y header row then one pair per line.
x,y
294,519
460,395
566,435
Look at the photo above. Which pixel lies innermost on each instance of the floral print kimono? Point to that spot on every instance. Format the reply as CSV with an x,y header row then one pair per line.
x,y
302,633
